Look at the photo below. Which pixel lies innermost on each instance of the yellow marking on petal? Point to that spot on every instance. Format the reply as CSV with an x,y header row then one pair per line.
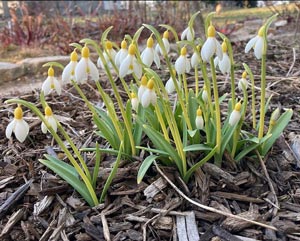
x,y
74,56
183,51
224,47
18,113
72,72
50,72
261,31
108,45
150,42
211,31
150,84
131,49
87,70
132,95
199,112
124,44
244,75
166,34
144,80
131,67
85,52
238,106
48,111
52,86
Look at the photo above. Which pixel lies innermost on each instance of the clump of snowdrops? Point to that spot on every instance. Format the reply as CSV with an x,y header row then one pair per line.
x,y
176,123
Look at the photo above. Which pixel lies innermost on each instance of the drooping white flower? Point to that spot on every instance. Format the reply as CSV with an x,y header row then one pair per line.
x,y
130,64
188,34
149,97
51,120
86,68
51,83
182,64
257,43
143,87
134,101
122,53
199,119
243,82
68,73
170,85
18,126
166,43
224,64
195,59
235,115
211,46
149,54
111,54
204,94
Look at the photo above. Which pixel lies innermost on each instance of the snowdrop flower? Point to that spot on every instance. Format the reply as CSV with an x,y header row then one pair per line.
x,y
68,73
182,64
149,97
204,94
274,117
195,59
86,68
170,86
211,45
51,83
224,64
257,43
134,101
50,118
188,34
149,54
130,64
111,53
199,119
243,82
166,43
235,114
143,87
122,53
18,126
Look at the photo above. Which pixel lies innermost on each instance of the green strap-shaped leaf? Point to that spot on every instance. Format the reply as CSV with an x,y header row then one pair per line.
x,y
197,147
145,166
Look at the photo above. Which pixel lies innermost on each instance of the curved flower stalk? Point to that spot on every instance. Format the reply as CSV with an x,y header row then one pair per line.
x,y
86,68
224,64
182,64
257,43
149,96
109,55
243,83
149,54
165,40
121,54
18,126
199,119
170,85
51,120
51,83
68,73
130,64
143,87
211,46
235,115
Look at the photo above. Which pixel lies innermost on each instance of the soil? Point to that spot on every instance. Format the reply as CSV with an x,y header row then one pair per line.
x,y
47,208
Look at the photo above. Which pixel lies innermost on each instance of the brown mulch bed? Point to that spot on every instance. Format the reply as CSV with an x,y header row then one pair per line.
x,y
47,208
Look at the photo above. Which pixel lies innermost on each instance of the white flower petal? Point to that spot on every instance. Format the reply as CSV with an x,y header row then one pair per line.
x,y
124,67
153,97
94,73
21,130
80,71
10,128
199,122
66,74
147,57
224,65
234,117
258,48
141,91
180,65
170,86
184,33
250,44
156,59
44,128
46,86
204,96
57,86
194,60
216,61
218,48
135,103
166,44
187,65
99,63
137,69
208,49
146,98
242,82
53,123
190,34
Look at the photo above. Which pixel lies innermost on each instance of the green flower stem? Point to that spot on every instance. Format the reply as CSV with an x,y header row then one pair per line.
x,y
186,93
253,101
162,123
59,141
217,107
196,81
208,88
206,124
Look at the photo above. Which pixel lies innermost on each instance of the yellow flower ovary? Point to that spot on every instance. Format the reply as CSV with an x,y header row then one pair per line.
x,y
131,49
132,95
166,34
261,31
224,47
124,44
199,112
183,51
244,75
18,113
74,56
50,72
48,111
211,31
108,45
144,80
150,84
85,52
150,42
238,106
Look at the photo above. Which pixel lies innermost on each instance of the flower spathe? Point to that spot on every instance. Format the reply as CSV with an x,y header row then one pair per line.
x,y
243,82
235,115
121,54
182,64
274,117
51,83
170,85
68,73
18,126
50,119
188,34
165,40
257,43
143,87
109,56
199,119
224,64
134,101
86,68
211,46
130,64
149,97
149,54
